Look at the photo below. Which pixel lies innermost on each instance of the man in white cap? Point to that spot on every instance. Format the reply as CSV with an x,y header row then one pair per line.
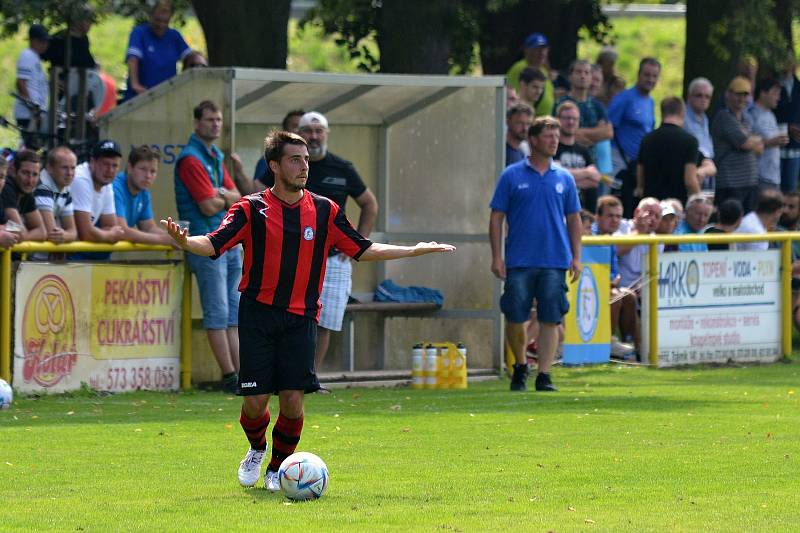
x,y
336,178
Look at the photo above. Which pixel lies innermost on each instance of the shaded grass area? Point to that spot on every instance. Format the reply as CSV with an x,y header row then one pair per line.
x,y
617,449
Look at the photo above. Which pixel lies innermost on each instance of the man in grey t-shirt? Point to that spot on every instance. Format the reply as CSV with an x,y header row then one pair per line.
x,y
762,120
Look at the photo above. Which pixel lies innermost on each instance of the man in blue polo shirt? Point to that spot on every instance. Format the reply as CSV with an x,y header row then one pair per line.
x,y
536,196
153,50
633,115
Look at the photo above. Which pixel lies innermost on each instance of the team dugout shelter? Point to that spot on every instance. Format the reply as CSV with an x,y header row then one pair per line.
x,y
429,147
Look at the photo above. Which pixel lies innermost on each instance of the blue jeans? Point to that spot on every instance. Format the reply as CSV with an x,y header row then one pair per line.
x,y
547,285
218,282
790,169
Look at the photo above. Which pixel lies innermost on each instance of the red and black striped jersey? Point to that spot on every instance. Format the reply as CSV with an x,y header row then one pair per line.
x,y
285,247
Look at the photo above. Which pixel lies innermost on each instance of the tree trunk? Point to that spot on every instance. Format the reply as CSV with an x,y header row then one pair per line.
x,y
700,58
414,36
244,34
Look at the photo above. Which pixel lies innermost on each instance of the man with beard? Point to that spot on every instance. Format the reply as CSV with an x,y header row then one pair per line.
x,y
333,177
286,233
518,120
790,218
18,202
204,191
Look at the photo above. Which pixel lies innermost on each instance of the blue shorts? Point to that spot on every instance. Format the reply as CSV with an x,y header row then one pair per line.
x,y
547,285
218,282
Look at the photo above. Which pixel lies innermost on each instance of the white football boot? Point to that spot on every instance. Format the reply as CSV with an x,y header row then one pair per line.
x,y
271,481
250,467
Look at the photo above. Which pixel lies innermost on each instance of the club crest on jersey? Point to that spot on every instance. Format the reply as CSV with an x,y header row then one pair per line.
x,y
308,233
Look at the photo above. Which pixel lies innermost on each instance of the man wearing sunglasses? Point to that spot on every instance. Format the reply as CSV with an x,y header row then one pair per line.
x,y
736,148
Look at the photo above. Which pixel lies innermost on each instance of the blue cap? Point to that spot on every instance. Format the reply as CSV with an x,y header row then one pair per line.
x,y
535,40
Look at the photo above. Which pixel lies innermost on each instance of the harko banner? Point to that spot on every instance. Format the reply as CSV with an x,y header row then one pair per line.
x,y
113,327
717,307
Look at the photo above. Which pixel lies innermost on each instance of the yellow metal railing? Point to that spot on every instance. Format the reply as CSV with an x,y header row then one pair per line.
x,y
652,241
29,247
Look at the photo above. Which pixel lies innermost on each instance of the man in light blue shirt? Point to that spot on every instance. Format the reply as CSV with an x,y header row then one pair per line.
x,y
700,92
132,198
536,197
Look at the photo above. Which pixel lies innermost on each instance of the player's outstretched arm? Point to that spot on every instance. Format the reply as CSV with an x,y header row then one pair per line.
x,y
384,252
198,245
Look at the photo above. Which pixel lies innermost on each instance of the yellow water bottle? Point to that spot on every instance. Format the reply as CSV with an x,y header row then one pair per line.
x,y
459,370
417,367
443,376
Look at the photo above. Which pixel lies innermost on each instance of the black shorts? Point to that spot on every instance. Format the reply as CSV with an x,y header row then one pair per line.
x,y
276,350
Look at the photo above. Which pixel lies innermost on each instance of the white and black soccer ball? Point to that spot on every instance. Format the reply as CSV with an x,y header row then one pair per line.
x,y
6,394
303,476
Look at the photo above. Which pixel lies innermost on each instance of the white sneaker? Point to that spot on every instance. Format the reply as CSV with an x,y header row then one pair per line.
x,y
271,481
250,467
622,350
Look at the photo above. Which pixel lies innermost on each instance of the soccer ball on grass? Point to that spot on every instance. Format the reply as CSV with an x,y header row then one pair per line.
x,y
303,476
6,395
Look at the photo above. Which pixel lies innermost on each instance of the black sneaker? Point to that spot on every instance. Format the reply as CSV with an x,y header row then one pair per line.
x,y
519,378
230,383
544,384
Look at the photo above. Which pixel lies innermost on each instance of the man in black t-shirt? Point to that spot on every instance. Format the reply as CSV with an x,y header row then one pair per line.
x,y
333,177
576,158
17,197
668,157
729,216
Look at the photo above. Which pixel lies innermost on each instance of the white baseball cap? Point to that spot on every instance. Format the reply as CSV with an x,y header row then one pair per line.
x,y
311,118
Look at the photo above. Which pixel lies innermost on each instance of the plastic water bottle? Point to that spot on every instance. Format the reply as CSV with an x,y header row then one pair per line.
x,y
417,367
431,366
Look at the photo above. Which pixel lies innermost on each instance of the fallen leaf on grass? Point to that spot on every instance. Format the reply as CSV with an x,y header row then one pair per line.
x,y
405,430
570,508
137,430
396,407
589,521
228,426
69,413
9,464
315,426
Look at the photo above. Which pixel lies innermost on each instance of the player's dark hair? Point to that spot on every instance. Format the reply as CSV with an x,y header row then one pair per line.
x,y
25,156
202,107
276,141
142,153
730,211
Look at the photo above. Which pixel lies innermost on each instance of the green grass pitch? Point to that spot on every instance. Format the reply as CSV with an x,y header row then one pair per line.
x,y
617,449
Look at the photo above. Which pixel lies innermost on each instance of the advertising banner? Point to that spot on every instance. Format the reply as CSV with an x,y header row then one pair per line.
x,y
587,332
112,327
717,307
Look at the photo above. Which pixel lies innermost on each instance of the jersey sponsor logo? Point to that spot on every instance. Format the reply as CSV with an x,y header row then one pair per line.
x,y
523,186
335,181
308,233
249,385
559,188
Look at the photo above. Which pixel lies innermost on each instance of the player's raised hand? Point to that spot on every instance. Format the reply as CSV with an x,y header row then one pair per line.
x,y
423,248
178,234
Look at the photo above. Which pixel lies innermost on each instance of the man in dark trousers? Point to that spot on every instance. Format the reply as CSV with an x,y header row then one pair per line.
x,y
287,233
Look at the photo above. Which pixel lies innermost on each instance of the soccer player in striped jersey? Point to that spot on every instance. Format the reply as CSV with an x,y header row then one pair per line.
x,y
286,232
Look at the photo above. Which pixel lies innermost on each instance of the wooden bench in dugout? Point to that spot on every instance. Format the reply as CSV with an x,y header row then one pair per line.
x,y
386,310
